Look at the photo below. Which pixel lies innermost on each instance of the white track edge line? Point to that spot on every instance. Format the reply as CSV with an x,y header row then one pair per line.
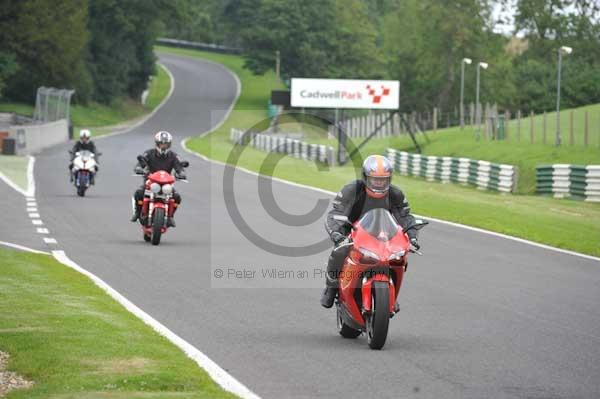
x,y
30,191
12,185
23,248
30,178
454,224
219,375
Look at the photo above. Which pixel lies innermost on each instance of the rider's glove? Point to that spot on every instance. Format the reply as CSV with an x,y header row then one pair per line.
x,y
138,170
415,243
337,237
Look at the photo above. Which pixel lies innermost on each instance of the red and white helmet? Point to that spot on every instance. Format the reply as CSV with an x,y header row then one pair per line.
x,y
377,175
163,141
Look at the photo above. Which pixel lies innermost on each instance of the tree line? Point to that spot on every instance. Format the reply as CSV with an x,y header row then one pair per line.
x,y
104,48
419,42
101,48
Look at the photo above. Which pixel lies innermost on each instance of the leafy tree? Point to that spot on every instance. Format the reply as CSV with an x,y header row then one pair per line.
x,y
8,67
120,49
424,41
49,45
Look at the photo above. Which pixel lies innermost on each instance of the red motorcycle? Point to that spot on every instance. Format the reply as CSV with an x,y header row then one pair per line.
x,y
371,276
158,204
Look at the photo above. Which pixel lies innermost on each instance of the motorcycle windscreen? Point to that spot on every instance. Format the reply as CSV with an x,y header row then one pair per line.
x,y
85,155
380,224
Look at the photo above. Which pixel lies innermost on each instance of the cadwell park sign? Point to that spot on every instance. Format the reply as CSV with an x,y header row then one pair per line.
x,y
345,93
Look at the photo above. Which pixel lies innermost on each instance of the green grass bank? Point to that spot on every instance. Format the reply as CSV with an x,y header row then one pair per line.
x,y
73,341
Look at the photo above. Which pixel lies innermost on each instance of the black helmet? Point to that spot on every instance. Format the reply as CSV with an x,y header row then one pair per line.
x,y
377,175
163,141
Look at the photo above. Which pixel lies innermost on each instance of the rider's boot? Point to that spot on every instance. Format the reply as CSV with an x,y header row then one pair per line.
x,y
329,293
171,221
136,213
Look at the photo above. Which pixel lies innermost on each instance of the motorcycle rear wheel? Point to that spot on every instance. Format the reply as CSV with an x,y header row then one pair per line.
x,y
158,221
378,321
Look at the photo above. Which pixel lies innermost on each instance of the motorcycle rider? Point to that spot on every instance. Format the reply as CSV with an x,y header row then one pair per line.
x,y
354,200
84,143
159,158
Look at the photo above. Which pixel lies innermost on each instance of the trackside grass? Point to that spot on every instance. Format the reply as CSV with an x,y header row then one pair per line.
x,y
15,168
74,341
565,224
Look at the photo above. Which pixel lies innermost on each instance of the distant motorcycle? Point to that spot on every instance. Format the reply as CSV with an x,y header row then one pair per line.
x,y
83,171
371,276
158,203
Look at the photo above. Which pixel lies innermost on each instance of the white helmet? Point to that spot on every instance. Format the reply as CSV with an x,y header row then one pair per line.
x,y
84,135
163,141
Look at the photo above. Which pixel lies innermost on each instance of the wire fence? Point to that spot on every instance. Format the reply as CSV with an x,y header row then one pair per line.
x,y
52,104
573,127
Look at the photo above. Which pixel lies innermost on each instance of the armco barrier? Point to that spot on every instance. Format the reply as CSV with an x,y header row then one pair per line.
x,y
569,181
216,48
295,148
482,174
35,137
362,126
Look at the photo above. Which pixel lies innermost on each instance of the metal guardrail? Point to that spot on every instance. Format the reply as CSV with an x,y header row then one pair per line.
x,y
569,181
217,48
482,174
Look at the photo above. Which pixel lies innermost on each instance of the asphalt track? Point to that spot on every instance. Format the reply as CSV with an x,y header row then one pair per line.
x,y
482,316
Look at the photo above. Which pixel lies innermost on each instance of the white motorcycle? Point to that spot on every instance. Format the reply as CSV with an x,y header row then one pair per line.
x,y
83,171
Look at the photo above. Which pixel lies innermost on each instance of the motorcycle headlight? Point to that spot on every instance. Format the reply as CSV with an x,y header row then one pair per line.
x,y
364,256
155,188
397,259
167,189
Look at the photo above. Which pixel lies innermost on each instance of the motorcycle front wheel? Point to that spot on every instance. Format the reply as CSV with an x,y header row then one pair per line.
x,y
158,221
379,319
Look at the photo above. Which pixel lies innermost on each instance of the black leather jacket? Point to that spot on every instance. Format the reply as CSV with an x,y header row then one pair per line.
x,y
79,146
350,202
168,162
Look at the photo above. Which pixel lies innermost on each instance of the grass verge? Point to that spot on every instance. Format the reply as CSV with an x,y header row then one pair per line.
x,y
15,168
565,224
74,341
456,143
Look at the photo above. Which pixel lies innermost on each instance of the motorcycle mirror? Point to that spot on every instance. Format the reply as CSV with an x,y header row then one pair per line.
x,y
98,154
185,164
417,225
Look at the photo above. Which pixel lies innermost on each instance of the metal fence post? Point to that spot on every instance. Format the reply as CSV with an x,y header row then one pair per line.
x,y
531,127
544,128
585,129
571,133
518,125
